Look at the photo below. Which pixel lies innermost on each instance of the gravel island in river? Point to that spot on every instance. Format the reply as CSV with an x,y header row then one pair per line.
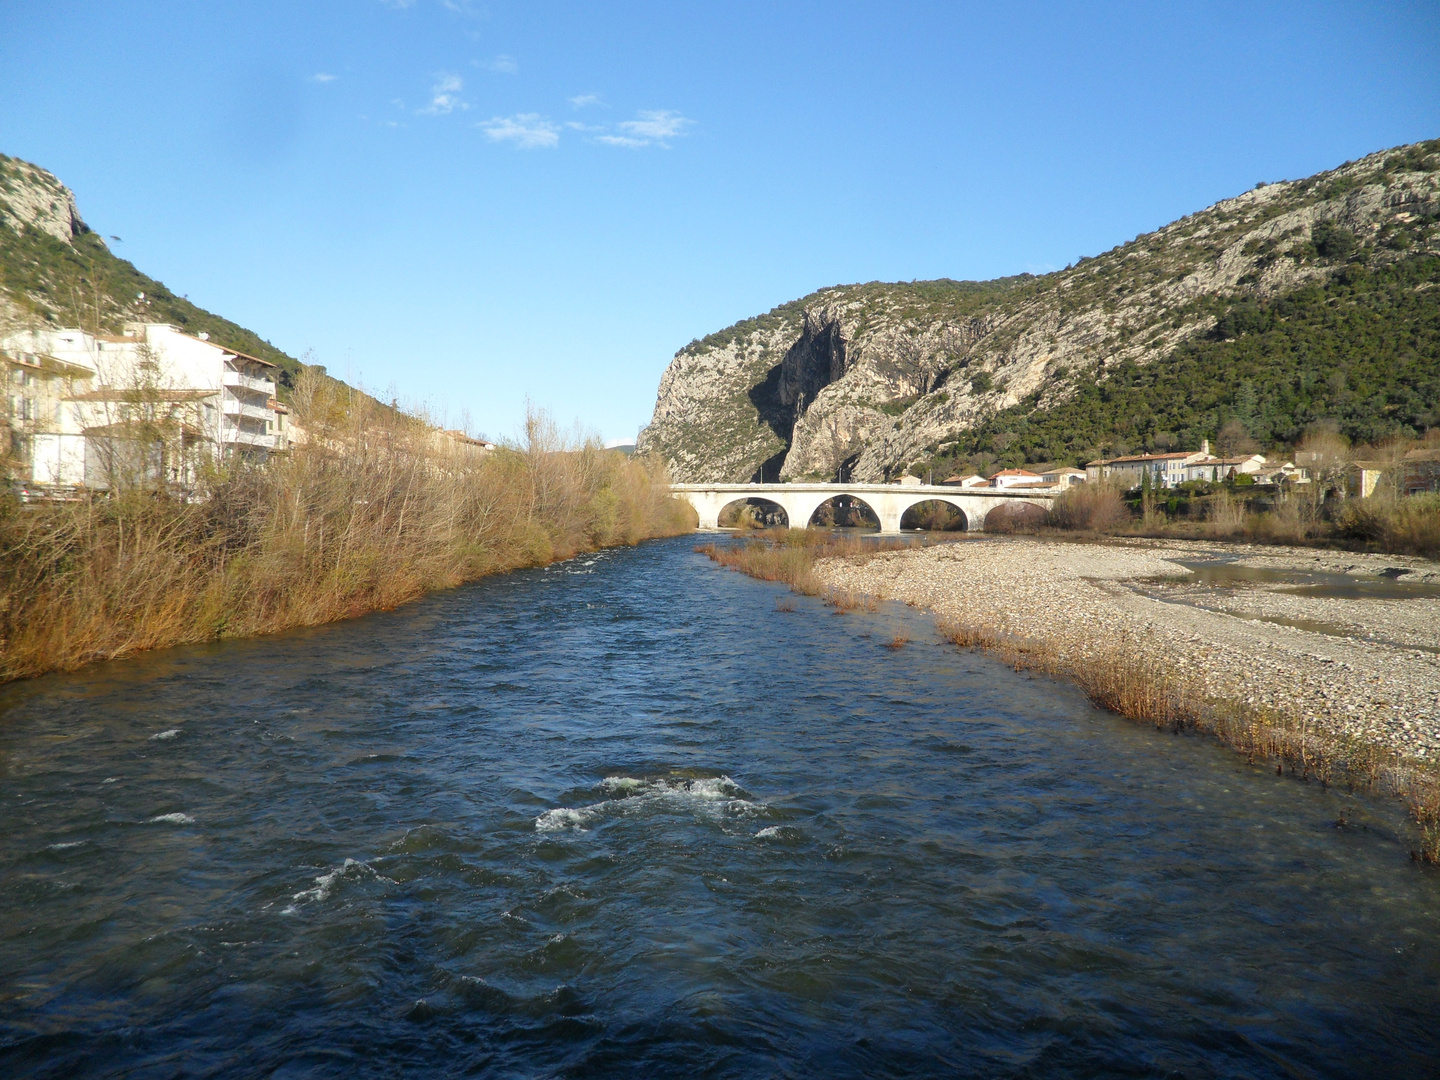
x,y
1359,659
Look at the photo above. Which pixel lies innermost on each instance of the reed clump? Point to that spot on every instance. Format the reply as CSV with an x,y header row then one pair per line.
x,y
1089,508
789,556
374,509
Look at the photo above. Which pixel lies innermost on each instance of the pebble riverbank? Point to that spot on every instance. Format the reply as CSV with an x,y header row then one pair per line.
x,y
1357,665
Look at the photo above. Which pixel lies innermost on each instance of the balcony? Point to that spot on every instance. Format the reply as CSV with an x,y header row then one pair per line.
x,y
248,438
232,407
249,382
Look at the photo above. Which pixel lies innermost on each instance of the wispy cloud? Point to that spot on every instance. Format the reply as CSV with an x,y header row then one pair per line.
x,y
445,96
321,77
575,125
581,101
653,127
528,131
399,4
501,65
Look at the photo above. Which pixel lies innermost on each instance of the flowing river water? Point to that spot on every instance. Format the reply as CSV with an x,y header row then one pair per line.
x,y
626,816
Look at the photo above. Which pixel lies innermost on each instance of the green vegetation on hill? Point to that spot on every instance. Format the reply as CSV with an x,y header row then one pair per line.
x,y
1361,349
84,284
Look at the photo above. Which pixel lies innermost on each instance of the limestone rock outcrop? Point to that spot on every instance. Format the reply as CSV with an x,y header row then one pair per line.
x,y
31,196
862,380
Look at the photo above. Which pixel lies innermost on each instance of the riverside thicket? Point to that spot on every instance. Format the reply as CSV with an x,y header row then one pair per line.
x,y
373,509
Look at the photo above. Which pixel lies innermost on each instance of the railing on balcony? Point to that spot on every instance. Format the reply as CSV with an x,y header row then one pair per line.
x,y
233,407
249,438
249,382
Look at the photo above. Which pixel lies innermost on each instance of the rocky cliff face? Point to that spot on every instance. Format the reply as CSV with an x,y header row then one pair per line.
x,y
863,380
31,196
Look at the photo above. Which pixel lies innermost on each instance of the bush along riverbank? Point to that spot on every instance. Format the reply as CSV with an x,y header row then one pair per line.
x,y
372,510
1117,663
1386,522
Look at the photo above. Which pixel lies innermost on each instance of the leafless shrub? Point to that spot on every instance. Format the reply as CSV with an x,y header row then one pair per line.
x,y
1094,507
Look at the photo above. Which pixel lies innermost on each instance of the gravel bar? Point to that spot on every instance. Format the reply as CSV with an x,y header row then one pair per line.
x,y
1359,666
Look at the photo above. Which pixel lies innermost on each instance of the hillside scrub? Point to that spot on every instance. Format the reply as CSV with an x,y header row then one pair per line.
x,y
373,510
1359,348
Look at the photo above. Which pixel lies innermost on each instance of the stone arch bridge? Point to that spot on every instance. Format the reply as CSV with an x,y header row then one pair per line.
x,y
887,501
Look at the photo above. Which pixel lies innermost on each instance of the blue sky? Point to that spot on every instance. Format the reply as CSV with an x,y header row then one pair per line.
x,y
474,203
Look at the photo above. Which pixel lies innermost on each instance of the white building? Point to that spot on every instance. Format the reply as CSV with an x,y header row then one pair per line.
x,y
1006,478
1215,469
1164,470
971,481
188,397
1063,478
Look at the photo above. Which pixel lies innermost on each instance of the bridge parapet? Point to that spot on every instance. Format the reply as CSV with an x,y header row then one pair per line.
x,y
888,501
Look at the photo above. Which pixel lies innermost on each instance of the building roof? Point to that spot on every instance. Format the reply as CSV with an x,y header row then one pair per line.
x,y
1228,460
1015,472
1147,457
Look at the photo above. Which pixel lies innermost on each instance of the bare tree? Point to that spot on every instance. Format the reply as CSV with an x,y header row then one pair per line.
x,y
1234,439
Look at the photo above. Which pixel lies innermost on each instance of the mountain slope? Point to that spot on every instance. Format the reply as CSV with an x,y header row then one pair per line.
x,y
1293,302
54,270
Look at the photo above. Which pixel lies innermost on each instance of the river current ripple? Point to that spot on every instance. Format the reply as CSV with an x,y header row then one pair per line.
x,y
623,816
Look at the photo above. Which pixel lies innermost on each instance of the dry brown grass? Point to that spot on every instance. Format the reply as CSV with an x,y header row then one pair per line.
x,y
1410,525
899,641
1089,508
789,556
372,512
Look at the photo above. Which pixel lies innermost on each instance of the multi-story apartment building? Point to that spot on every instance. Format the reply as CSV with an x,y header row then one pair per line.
x,y
154,402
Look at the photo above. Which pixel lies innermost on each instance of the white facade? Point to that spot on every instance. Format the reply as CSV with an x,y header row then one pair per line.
x,y
1164,470
1006,478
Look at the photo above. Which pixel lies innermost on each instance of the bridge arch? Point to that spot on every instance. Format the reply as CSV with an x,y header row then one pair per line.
x,y
845,511
752,512
1015,517
938,515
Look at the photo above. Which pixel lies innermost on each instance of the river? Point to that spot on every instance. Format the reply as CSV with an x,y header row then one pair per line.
x,y
627,816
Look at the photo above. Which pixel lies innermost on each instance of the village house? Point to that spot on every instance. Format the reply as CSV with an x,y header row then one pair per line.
x,y
107,404
971,481
1361,478
1216,469
1008,478
1063,478
1164,470
1421,471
